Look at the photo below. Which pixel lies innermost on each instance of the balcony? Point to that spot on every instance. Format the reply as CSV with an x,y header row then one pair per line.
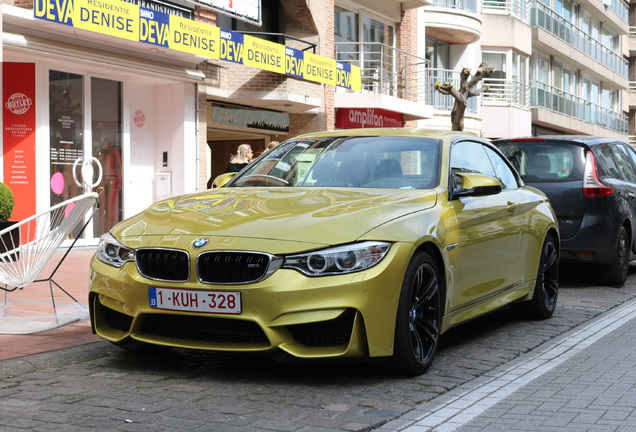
x,y
504,92
543,17
632,94
391,79
442,102
516,8
453,21
553,99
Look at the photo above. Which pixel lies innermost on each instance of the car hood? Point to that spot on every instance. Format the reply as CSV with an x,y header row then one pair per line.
x,y
324,216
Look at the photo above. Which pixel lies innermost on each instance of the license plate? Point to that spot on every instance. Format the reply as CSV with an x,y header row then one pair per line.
x,y
187,300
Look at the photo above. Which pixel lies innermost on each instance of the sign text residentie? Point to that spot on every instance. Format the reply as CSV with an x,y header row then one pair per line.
x,y
130,21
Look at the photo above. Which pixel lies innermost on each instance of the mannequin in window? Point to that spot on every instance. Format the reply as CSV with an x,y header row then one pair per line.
x,y
110,158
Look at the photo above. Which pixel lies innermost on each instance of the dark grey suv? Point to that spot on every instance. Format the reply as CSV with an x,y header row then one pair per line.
x,y
591,183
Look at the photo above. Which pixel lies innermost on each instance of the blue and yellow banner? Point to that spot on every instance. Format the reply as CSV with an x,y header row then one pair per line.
x,y
129,21
194,37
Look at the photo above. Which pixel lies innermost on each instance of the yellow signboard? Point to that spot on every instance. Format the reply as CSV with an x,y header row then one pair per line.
x,y
125,20
319,69
119,19
263,54
194,37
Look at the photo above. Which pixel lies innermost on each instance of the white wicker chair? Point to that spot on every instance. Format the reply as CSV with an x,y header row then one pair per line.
x,y
29,245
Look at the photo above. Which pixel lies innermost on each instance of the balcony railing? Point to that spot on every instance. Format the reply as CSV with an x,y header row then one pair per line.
x,y
442,102
517,8
554,99
466,5
503,92
387,70
620,8
550,21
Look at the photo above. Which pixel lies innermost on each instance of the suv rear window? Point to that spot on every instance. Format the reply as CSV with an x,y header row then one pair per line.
x,y
544,161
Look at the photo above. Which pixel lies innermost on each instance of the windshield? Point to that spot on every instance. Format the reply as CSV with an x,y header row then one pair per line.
x,y
367,162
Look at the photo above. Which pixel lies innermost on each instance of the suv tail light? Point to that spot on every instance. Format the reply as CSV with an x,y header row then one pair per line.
x,y
592,186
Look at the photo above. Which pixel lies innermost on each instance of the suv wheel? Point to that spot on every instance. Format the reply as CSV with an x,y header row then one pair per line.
x,y
615,273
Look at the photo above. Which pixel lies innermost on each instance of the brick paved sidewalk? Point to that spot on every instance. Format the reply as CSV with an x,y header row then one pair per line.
x,y
73,277
583,380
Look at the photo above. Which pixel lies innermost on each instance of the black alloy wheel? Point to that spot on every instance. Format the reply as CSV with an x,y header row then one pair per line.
x,y
419,318
546,288
615,273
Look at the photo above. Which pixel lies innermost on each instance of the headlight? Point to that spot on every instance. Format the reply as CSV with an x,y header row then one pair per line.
x,y
338,260
114,253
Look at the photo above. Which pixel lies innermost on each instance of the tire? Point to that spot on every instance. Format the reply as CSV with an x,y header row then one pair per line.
x,y
615,273
419,318
546,287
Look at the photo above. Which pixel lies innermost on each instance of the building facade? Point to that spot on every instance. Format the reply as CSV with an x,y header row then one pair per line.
x,y
93,103
561,66
96,98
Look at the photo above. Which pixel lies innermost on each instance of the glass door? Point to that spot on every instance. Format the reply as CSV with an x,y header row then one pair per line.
x,y
106,127
85,123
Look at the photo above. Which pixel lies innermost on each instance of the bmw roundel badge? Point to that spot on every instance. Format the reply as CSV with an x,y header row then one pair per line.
x,y
199,243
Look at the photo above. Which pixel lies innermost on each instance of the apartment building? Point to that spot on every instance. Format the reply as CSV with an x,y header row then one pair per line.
x,y
562,65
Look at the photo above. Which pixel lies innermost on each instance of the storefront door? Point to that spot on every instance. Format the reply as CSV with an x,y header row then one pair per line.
x,y
85,119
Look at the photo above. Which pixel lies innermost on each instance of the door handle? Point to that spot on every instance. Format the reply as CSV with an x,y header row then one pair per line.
x,y
511,207
87,172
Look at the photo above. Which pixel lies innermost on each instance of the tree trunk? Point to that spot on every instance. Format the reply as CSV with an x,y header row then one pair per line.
x,y
457,115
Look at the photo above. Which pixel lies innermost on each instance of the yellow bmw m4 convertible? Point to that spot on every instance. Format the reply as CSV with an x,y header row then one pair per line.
x,y
364,244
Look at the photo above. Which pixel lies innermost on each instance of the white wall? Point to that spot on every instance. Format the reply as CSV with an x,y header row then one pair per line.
x,y
175,133
506,122
139,170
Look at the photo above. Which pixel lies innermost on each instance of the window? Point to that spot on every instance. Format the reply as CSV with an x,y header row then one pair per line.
x,y
610,40
437,53
543,69
503,172
498,60
624,164
468,156
269,18
360,37
346,30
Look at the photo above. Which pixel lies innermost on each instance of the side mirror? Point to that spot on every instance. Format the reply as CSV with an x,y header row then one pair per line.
x,y
475,184
221,180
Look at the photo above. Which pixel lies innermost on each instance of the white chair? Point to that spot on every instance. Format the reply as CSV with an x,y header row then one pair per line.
x,y
26,249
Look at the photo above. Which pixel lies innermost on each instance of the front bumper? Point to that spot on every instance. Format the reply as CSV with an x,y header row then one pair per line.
x,y
349,315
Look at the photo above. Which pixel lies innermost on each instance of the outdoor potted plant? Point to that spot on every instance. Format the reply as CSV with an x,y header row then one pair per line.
x,y
10,239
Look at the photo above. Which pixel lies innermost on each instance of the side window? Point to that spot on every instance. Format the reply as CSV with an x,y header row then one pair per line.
x,y
503,172
469,156
605,161
631,153
624,163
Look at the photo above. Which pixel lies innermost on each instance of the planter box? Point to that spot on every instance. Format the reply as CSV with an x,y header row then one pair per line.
x,y
10,238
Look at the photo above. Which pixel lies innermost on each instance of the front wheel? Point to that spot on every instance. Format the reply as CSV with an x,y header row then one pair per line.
x,y
419,318
546,287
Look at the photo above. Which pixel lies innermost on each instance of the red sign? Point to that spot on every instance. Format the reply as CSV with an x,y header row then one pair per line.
x,y
139,118
352,118
18,93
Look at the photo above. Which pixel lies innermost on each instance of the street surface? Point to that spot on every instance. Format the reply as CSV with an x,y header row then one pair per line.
x,y
101,387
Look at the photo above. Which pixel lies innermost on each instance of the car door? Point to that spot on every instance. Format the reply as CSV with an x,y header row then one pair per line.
x,y
623,177
488,228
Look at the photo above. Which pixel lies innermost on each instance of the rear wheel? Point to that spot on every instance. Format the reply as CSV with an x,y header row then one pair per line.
x,y
546,287
615,273
419,318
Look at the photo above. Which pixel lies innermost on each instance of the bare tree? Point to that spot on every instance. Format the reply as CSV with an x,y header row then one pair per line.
x,y
464,92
